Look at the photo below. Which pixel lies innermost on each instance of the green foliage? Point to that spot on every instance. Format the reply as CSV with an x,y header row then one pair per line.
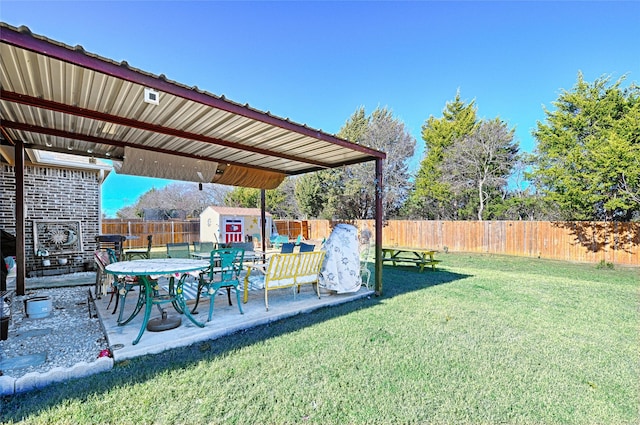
x,y
522,205
588,156
605,265
355,128
243,197
478,165
311,194
432,197
280,201
348,192
467,163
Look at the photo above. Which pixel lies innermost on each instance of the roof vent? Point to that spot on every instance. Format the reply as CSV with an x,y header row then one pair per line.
x,y
151,96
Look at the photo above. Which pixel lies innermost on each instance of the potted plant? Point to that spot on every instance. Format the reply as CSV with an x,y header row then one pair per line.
x,y
44,253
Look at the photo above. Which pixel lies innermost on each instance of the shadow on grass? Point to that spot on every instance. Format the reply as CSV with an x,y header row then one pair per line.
x,y
396,281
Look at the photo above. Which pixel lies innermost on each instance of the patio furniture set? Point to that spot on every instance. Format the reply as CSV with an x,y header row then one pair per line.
x,y
213,268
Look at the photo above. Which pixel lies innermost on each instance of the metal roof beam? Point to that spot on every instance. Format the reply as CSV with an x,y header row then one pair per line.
x,y
128,122
102,141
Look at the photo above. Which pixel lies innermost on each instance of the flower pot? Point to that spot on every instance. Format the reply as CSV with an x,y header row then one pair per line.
x,y
38,307
62,261
46,262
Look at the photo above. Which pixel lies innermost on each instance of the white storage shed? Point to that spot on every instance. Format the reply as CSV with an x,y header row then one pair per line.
x,y
230,224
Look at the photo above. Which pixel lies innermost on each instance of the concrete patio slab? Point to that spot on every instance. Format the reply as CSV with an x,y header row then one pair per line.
x,y
226,319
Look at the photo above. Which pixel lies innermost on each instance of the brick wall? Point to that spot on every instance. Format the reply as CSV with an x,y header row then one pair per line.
x,y
53,194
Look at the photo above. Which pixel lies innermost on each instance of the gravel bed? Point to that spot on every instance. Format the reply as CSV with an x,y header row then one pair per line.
x,y
71,334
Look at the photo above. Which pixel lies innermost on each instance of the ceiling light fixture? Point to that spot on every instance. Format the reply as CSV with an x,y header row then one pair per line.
x,y
151,96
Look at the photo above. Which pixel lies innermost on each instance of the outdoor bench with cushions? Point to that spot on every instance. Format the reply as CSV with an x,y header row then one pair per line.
x,y
284,271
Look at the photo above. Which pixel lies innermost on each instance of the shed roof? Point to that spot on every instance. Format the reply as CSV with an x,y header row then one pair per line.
x,y
236,211
60,98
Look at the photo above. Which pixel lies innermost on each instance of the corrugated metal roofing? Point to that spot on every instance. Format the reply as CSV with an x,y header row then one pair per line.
x,y
60,98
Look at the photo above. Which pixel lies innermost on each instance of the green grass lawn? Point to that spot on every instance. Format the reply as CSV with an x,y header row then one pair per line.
x,y
483,340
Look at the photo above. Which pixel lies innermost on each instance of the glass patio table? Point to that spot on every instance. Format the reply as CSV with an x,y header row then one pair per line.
x,y
147,271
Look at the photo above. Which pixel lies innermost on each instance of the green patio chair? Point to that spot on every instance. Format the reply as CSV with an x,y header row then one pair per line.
x,y
279,240
130,254
179,250
225,266
204,246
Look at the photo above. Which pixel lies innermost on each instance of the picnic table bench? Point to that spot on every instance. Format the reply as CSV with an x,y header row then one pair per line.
x,y
419,257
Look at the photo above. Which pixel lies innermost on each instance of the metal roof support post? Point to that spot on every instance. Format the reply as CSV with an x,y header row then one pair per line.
x,y
379,212
263,222
20,251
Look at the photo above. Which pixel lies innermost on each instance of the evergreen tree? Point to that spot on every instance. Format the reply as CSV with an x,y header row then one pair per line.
x,y
432,196
587,160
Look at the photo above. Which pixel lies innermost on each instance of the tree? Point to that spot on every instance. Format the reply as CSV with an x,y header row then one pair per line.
x,y
351,189
481,162
522,202
390,136
311,194
176,196
243,197
280,201
587,157
432,197
346,193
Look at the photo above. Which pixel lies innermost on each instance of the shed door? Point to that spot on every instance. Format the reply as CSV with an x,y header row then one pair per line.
x,y
233,230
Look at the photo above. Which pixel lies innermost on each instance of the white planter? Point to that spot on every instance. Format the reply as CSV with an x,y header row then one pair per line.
x,y
46,262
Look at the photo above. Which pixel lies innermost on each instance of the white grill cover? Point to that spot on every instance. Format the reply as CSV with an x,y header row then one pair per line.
x,y
341,269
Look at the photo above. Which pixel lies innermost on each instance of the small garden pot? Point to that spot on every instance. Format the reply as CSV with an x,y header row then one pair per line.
x,y
46,262
38,307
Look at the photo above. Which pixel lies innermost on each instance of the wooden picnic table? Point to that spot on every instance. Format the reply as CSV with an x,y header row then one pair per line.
x,y
417,256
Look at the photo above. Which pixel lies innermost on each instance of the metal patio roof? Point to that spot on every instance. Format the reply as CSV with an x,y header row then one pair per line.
x,y
60,98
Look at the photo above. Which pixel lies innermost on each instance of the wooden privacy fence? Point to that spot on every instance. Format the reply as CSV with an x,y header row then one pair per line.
x,y
163,232
590,242
292,228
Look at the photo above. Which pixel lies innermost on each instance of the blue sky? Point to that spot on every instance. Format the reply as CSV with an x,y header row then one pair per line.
x,y
317,62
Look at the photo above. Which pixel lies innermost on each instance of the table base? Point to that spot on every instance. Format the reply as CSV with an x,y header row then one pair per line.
x,y
164,323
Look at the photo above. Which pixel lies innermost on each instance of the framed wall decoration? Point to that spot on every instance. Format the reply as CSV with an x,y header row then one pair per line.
x,y
56,237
